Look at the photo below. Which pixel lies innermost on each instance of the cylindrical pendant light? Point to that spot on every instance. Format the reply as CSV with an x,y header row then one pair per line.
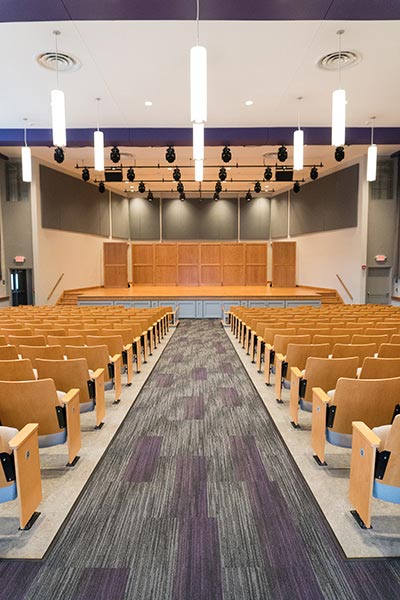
x,y
198,84
98,144
198,141
339,106
198,170
372,157
298,144
338,117
58,118
26,161
58,108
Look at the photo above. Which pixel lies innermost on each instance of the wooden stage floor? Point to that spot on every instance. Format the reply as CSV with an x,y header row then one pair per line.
x,y
139,292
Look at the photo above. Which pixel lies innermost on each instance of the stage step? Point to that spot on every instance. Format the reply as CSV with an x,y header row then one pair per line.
x,y
330,297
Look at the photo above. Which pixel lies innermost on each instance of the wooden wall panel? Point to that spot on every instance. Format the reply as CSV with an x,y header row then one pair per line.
x,y
142,254
233,254
210,275
188,275
165,254
256,264
256,275
188,254
256,254
284,264
143,274
165,275
115,263
210,254
233,275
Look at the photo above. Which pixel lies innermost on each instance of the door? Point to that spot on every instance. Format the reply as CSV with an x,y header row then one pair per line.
x,y
378,285
21,286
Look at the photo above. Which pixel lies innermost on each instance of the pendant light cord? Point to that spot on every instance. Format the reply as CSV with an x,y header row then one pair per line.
x,y
198,22
340,33
57,33
97,112
300,98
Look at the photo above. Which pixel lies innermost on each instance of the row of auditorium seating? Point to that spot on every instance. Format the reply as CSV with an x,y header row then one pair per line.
x,y
56,363
343,365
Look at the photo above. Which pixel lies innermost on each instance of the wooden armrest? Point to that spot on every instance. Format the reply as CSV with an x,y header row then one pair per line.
x,y
320,396
19,438
115,358
369,436
295,377
136,339
70,396
296,372
128,347
279,357
318,426
269,346
98,373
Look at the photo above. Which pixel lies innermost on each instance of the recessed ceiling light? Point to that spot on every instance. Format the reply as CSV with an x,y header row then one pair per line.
x,y
249,102
148,103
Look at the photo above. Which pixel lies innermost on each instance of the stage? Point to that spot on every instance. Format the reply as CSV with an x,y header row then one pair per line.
x,y
201,301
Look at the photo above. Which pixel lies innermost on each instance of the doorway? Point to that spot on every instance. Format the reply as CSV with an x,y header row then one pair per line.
x,y
21,286
378,285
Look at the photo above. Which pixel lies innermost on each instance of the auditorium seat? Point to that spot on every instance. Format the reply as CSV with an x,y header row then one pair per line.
x,y
389,350
375,467
373,401
65,340
359,350
27,340
8,353
115,345
20,472
296,356
379,368
46,352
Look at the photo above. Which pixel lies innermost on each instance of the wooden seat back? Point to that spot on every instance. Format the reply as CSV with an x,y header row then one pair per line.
x,y
312,331
271,332
66,374
114,343
98,357
125,332
16,370
65,340
331,340
347,330
297,355
8,353
359,350
324,372
395,339
46,352
380,368
370,339
50,331
3,340
381,331
386,350
392,445
281,342
20,331
27,340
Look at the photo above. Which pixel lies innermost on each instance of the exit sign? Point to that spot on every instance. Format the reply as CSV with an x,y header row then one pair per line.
x,y
19,259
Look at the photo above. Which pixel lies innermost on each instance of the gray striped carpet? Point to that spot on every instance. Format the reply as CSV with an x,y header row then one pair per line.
x,y
197,498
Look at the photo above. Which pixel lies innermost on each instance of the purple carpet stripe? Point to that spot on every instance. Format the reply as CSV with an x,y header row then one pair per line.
x,y
165,379
227,369
285,553
194,409
102,584
198,566
143,464
199,374
189,497
229,396
16,578
247,459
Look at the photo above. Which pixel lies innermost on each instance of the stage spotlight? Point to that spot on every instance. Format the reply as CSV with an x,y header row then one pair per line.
x,y
182,196
222,174
268,174
314,173
130,174
282,153
249,196
102,187
216,196
170,154
257,187
180,187
296,187
59,155
85,174
115,154
141,187
218,187
339,153
226,154
177,174
150,196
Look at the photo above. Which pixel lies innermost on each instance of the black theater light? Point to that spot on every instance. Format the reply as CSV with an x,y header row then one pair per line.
x,y
115,154
339,153
226,154
268,174
257,187
85,174
282,154
59,155
177,174
218,187
222,174
130,174
141,188
249,196
314,173
170,155
216,196
102,187
296,187
182,196
180,187
150,196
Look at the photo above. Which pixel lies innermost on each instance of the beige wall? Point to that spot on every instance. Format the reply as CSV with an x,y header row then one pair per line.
x,y
78,256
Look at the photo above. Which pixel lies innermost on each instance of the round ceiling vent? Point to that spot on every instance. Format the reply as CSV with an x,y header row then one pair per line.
x,y
64,62
345,59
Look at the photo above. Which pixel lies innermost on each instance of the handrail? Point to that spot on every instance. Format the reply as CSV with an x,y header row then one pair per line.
x,y
345,287
54,287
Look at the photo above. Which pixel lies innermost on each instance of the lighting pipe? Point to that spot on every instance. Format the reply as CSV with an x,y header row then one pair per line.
x,y
58,109
98,144
372,158
26,160
339,106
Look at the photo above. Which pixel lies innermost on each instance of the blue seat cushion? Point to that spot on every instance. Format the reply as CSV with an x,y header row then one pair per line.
x,y
286,384
305,405
8,493
53,439
388,493
108,385
85,407
338,439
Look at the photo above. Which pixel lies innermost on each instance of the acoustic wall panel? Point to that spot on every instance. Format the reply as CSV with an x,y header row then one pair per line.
x,y
70,204
326,204
144,219
196,219
279,216
255,217
120,216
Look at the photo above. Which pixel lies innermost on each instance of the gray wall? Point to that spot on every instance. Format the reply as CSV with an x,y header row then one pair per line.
x,y
255,218
279,216
120,216
70,204
144,219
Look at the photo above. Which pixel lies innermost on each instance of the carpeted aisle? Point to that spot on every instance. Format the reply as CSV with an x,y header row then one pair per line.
x,y
197,498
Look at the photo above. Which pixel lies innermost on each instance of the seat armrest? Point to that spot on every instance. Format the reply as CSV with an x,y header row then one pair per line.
x,y
20,438
318,427
295,378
